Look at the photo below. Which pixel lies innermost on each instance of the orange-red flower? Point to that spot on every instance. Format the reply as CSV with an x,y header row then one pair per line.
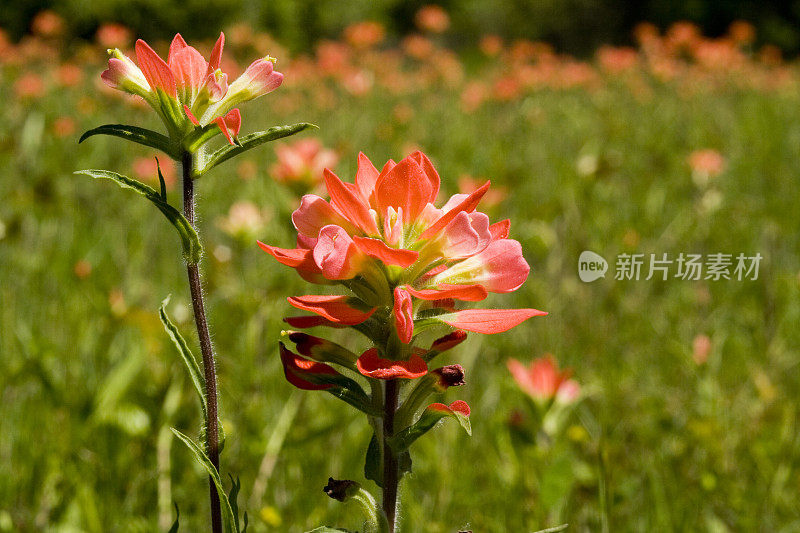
x,y
385,239
543,381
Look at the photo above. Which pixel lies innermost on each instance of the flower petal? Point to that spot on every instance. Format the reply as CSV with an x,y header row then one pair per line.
x,y
458,406
373,366
348,203
295,367
286,256
451,340
336,254
403,314
230,124
191,116
189,70
500,230
334,308
489,320
405,186
468,204
499,268
314,214
155,70
465,235
177,44
366,176
380,250
433,176
216,54
467,293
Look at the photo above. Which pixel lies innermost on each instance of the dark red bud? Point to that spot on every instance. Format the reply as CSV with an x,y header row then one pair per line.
x,y
450,376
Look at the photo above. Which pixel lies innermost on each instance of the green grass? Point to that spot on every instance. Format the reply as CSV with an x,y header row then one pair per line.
x,y
658,444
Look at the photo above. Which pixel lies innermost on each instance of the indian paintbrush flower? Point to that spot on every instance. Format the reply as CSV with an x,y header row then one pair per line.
x,y
408,266
187,91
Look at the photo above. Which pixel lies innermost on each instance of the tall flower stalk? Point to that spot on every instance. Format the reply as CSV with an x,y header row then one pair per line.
x,y
195,103
407,266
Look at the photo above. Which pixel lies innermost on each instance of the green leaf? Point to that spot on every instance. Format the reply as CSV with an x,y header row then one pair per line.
x,y
198,380
373,466
403,440
150,138
347,390
161,181
251,141
191,242
373,463
233,496
328,529
202,458
175,524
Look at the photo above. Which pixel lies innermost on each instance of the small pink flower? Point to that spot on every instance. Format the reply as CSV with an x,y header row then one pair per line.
x,y
432,18
364,34
47,24
303,161
543,381
708,162
113,35
701,349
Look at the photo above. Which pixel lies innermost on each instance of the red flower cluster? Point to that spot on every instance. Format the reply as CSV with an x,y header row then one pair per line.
x,y
406,262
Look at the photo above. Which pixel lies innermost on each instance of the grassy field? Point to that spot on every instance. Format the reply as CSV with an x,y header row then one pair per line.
x,y
592,156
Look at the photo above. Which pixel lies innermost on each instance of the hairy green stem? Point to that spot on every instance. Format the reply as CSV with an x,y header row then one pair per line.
x,y
209,369
391,474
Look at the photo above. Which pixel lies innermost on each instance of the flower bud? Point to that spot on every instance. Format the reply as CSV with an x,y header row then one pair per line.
x,y
341,489
449,376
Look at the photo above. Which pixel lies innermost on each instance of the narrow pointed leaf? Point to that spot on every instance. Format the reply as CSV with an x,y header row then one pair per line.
x,y
176,523
233,496
251,141
161,181
150,138
205,462
373,468
186,354
191,242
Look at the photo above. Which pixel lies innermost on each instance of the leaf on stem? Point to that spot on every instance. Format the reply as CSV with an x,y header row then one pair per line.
x,y
191,242
251,141
150,138
373,464
205,462
186,354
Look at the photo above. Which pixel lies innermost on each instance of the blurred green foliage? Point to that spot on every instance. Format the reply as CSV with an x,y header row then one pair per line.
x,y
573,26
